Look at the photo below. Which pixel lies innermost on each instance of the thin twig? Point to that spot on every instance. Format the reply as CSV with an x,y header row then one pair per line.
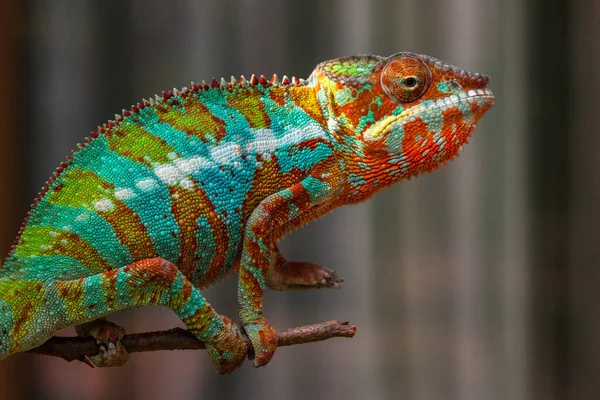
x,y
73,348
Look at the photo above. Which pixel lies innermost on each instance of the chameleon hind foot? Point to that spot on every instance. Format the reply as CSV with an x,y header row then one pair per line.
x,y
297,275
108,336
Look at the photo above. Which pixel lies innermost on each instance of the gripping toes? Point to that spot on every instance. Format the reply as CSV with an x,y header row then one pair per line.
x,y
229,350
294,275
108,337
315,276
264,341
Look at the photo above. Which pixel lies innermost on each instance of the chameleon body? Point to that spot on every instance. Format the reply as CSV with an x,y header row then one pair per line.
x,y
184,189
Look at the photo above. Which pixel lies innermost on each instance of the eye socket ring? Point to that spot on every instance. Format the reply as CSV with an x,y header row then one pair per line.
x,y
406,78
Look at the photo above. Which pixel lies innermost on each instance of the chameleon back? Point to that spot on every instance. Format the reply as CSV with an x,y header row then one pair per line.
x,y
176,179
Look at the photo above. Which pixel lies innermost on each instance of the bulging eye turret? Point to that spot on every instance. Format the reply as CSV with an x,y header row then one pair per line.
x,y
405,79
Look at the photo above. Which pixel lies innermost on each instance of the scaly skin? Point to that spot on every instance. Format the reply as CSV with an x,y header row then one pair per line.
x,y
180,191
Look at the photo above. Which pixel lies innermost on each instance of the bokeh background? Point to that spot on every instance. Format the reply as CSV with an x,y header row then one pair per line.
x,y
481,281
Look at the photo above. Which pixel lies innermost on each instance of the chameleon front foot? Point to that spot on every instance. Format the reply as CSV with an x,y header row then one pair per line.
x,y
295,275
108,336
228,351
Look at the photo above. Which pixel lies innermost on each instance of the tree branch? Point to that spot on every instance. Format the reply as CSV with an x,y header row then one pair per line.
x,y
74,348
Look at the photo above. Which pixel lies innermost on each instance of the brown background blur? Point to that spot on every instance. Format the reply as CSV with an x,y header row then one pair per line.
x,y
481,281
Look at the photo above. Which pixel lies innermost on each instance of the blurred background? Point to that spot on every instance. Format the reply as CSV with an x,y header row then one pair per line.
x,y
481,281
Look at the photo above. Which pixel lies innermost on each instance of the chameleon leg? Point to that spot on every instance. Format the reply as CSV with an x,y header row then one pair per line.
x,y
108,335
155,281
295,275
258,245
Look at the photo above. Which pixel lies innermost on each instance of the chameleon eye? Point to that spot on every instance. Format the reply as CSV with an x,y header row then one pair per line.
x,y
410,81
405,79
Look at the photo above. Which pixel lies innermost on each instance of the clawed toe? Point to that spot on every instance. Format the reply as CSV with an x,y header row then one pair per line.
x,y
313,276
109,355
108,335
330,279
294,275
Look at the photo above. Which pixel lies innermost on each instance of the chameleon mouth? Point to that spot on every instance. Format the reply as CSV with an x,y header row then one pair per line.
x,y
482,97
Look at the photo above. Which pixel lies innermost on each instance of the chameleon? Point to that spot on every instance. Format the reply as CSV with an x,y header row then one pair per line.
x,y
183,189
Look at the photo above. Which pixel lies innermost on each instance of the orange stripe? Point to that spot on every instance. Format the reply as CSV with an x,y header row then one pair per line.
x,y
251,286
78,248
199,321
197,120
130,231
264,184
109,284
187,205
277,94
306,99
252,107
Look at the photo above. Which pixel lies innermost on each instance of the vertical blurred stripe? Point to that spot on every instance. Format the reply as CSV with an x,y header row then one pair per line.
x,y
583,81
549,163
11,57
507,60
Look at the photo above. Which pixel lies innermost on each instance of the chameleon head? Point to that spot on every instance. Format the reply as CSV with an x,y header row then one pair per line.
x,y
402,115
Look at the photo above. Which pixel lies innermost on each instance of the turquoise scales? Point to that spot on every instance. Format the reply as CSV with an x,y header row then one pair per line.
x,y
178,192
